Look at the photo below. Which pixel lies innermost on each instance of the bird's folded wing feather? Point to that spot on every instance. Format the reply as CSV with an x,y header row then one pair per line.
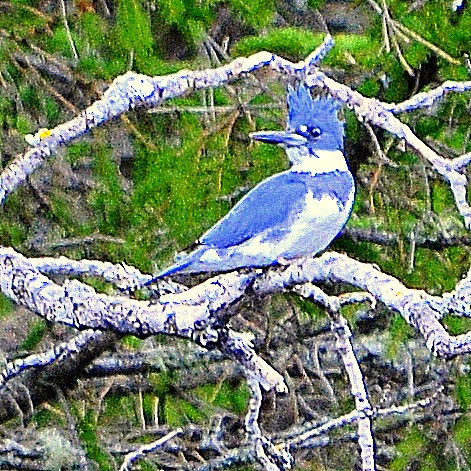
x,y
266,207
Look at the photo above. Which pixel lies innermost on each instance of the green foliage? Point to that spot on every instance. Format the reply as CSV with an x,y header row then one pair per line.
x,y
410,449
292,43
457,325
131,342
118,409
47,417
12,233
399,331
35,335
133,30
463,392
257,13
23,124
20,20
230,396
191,17
87,431
108,201
462,428
178,412
6,306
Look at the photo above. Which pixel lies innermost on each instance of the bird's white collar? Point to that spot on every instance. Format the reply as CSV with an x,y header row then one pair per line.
x,y
325,162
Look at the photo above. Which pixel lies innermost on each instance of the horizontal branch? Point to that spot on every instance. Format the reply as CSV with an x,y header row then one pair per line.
x,y
132,90
186,314
378,113
418,308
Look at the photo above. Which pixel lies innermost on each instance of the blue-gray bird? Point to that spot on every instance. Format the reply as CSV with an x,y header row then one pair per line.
x,y
295,213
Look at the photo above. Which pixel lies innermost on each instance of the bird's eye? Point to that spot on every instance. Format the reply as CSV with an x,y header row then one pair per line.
x,y
302,129
309,131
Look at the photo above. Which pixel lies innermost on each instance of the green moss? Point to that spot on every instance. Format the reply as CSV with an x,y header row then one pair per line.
x,y
427,126
118,408
416,54
180,187
88,436
35,335
462,427
463,392
233,397
361,48
350,311
436,272
61,210
162,382
59,43
130,342
410,449
43,418
399,332
94,29
429,463
100,285
52,111
457,138
178,412
308,308
21,21
108,201
12,233
457,325
133,30
362,251
6,306
292,43
316,4
257,13
23,124
369,88
398,88
78,151
408,160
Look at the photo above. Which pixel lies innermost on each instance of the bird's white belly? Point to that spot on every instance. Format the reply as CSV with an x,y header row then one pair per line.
x,y
308,232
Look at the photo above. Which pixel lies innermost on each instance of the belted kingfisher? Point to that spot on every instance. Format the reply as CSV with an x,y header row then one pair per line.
x,y
295,213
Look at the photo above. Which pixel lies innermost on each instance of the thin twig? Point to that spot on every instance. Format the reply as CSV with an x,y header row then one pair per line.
x,y
149,448
67,31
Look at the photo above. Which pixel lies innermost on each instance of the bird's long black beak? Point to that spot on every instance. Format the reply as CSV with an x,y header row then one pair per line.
x,y
289,139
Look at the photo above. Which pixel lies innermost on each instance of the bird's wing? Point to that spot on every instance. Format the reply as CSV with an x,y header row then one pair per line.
x,y
265,207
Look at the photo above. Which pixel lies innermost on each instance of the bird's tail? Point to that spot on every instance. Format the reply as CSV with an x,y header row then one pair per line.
x,y
177,267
